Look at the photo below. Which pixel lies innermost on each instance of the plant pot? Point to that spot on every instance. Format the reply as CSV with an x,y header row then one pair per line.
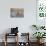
x,y
40,41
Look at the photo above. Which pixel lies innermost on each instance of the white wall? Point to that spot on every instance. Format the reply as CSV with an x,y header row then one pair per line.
x,y
23,23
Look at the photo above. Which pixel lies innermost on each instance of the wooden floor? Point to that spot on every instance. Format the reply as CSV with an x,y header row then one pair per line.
x,y
13,44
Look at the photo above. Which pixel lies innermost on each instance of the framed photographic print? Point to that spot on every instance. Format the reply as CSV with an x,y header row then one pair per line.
x,y
16,12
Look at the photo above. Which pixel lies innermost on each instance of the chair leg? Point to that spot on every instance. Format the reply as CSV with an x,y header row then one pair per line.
x,y
5,40
5,43
17,39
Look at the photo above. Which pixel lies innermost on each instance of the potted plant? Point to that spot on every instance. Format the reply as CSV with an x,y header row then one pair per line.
x,y
39,35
